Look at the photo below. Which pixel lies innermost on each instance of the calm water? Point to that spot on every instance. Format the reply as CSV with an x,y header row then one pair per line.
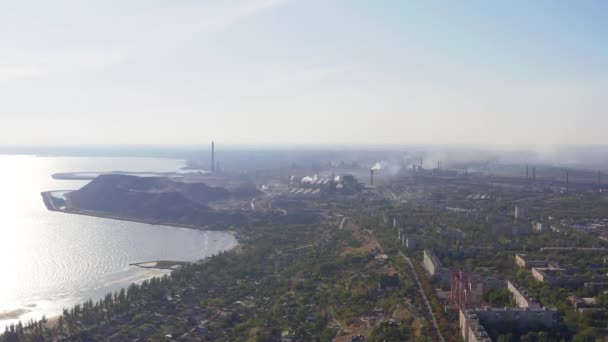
x,y
53,260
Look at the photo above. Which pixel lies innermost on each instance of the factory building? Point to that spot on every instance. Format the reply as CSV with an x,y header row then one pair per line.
x,y
304,193
315,187
315,182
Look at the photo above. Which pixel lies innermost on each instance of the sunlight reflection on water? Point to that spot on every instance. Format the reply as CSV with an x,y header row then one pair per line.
x,y
53,260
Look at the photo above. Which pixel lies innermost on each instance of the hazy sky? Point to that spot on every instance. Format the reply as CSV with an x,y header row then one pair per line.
x,y
303,71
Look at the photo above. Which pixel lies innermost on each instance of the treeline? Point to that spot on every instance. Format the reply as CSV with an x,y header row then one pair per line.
x,y
88,314
203,287
288,278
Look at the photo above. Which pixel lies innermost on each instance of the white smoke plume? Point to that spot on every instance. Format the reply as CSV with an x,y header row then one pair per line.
x,y
309,179
377,166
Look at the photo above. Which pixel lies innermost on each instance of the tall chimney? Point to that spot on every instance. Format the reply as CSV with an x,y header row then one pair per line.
x,y
527,175
567,181
371,176
599,180
534,173
212,156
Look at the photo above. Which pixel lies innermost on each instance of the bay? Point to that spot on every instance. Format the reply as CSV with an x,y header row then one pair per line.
x,y
53,260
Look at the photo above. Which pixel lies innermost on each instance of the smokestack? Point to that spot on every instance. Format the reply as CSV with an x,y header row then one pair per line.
x,y
289,182
534,173
371,176
567,181
599,180
527,171
212,156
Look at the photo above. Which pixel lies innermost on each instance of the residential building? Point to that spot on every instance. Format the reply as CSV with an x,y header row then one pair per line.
x,y
521,318
434,267
470,328
410,243
540,227
466,292
522,296
520,212
431,263
523,261
557,275
473,321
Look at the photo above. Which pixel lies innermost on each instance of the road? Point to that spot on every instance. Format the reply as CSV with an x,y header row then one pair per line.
x,y
425,299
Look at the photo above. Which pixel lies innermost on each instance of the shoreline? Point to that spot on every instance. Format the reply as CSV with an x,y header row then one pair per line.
x,y
170,265
13,314
50,205
160,265
93,175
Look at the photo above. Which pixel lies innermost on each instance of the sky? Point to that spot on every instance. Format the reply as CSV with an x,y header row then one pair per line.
x,y
303,72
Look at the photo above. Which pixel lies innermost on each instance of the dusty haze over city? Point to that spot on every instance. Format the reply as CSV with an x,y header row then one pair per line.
x,y
304,170
303,72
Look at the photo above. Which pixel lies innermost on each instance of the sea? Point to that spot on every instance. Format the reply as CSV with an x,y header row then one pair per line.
x,y
51,260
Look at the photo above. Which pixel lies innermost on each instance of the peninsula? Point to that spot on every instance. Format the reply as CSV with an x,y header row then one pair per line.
x,y
155,200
